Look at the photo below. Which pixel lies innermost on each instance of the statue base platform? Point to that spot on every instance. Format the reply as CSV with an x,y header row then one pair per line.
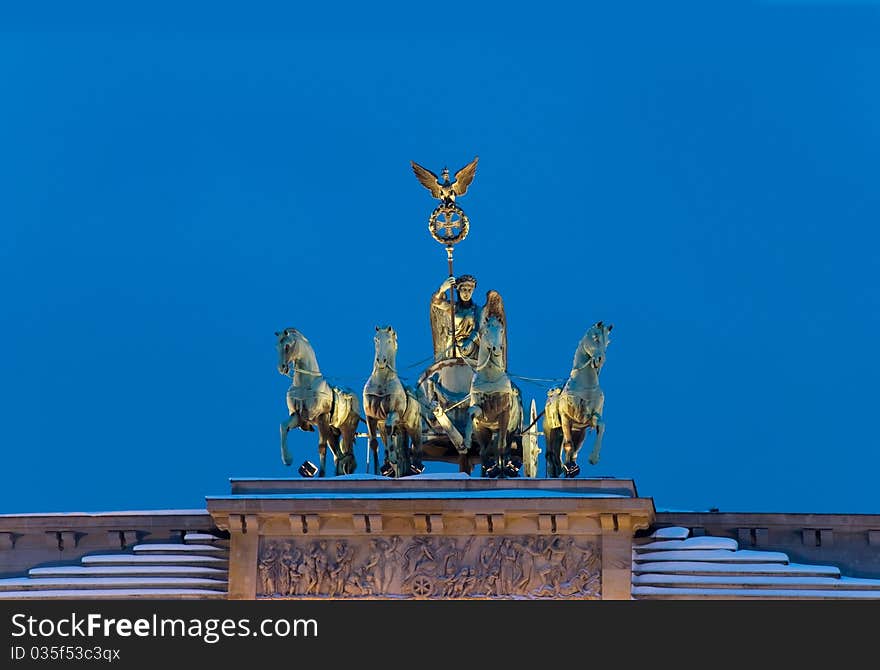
x,y
431,536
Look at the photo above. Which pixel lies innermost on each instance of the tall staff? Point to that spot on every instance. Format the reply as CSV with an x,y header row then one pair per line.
x,y
448,224
451,299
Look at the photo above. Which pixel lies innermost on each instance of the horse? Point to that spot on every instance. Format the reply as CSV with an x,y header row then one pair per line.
x,y
575,408
392,411
313,402
495,412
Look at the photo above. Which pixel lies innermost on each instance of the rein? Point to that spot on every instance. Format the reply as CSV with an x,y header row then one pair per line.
x,y
305,372
489,359
589,360
387,367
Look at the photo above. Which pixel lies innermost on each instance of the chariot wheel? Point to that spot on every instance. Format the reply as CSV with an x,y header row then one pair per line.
x,y
422,586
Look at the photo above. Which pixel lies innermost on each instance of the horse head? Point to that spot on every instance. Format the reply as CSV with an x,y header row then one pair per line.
x,y
492,344
493,335
288,346
386,348
594,343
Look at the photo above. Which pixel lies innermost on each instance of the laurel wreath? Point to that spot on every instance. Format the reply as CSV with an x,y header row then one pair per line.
x,y
463,224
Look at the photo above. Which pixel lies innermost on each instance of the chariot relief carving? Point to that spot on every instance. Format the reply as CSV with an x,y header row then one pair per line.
x,y
520,567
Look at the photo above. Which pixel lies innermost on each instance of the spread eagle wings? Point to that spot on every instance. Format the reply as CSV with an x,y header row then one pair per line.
x,y
464,177
430,181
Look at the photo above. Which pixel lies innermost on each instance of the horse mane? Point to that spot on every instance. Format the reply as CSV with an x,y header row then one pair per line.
x,y
287,332
494,307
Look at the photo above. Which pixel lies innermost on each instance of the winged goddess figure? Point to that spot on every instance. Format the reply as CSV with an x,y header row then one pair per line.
x,y
446,191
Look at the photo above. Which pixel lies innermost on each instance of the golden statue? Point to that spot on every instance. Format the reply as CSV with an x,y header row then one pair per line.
x,y
446,191
463,312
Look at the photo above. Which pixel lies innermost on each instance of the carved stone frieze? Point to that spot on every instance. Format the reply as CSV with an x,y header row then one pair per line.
x,y
508,567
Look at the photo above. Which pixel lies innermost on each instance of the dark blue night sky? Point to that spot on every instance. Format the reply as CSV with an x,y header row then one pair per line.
x,y
177,183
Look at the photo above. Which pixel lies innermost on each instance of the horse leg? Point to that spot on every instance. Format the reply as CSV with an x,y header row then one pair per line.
x,y
293,420
348,463
488,450
474,412
401,446
597,446
322,457
501,439
570,466
393,452
387,468
464,462
339,458
553,441
415,439
567,443
374,442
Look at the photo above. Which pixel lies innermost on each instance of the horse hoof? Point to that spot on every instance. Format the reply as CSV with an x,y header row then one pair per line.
x,y
511,469
572,470
308,469
387,470
491,469
416,469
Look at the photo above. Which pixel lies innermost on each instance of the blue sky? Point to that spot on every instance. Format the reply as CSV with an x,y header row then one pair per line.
x,y
176,186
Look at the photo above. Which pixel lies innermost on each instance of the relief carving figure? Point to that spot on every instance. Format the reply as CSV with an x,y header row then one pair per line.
x,y
381,563
321,563
461,584
266,568
430,567
283,569
359,583
310,572
510,567
342,568
418,557
490,568
292,559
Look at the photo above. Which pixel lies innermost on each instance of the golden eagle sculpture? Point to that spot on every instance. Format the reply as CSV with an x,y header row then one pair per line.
x,y
446,191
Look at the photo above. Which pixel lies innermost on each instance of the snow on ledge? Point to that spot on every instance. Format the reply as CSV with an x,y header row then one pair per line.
x,y
700,542
699,567
98,594
176,546
121,570
126,559
718,555
201,537
782,580
671,533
